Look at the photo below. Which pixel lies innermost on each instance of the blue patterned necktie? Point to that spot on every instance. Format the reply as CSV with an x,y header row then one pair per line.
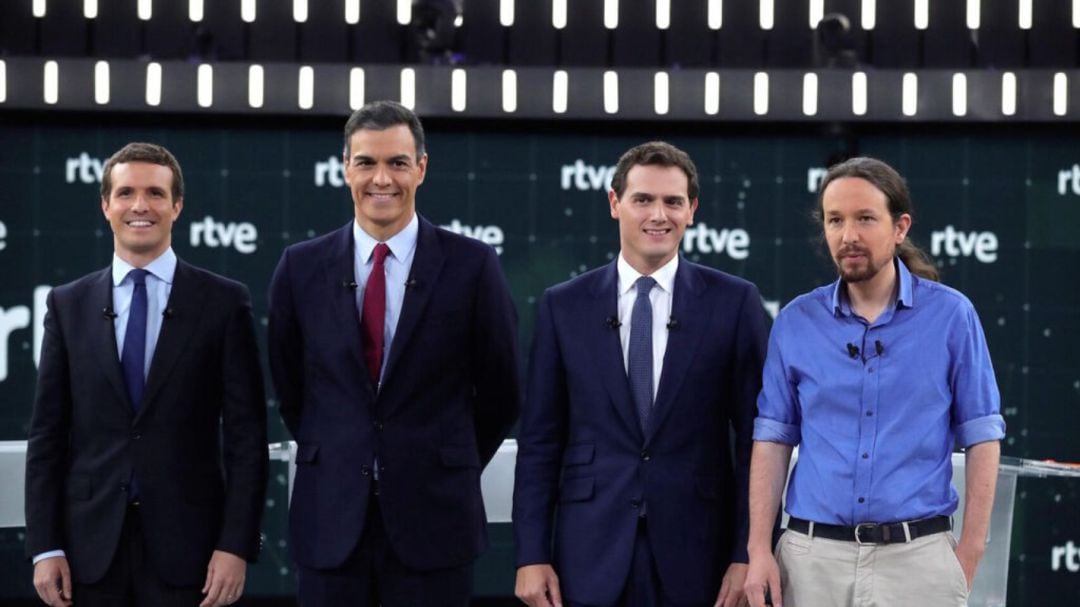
x,y
639,368
133,358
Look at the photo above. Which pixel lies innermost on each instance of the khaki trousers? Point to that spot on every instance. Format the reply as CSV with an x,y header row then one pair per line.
x,y
817,572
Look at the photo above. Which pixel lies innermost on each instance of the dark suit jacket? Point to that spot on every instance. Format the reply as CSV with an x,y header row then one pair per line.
x,y
584,466
449,395
197,445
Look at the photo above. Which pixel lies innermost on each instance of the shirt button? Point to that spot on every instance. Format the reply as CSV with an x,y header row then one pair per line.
x,y
870,370
866,456
869,414
862,499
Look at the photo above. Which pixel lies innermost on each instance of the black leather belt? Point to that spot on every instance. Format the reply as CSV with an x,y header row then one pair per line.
x,y
874,533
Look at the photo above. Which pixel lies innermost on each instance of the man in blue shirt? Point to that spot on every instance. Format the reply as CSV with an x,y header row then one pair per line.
x,y
875,377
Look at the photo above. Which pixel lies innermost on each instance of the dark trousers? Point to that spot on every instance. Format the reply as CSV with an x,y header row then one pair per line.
x,y
131,580
642,587
373,575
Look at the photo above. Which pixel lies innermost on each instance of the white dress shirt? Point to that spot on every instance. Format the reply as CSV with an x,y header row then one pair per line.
x,y
659,297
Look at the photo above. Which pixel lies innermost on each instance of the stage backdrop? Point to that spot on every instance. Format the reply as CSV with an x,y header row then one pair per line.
x,y
999,213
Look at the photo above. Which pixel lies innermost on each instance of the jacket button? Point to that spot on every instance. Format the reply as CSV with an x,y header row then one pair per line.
x,y
378,425
646,456
635,503
365,469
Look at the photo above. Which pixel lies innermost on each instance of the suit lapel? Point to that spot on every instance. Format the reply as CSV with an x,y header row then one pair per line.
x,y
423,276
609,355
692,316
182,314
103,334
340,271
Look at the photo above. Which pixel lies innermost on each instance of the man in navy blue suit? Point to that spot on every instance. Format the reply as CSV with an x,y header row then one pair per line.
x,y
393,353
628,489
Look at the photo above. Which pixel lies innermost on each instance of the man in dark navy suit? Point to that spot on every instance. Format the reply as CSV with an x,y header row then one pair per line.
x,y
393,352
146,465
628,489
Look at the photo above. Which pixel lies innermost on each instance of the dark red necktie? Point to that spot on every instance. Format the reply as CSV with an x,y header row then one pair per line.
x,y
373,317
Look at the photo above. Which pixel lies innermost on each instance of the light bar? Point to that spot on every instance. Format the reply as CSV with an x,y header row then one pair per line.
x,y
1076,14
663,14
858,94
959,95
300,11
3,81
611,92
205,85
660,93
247,11
39,8
51,84
869,14
352,12
404,12
817,11
195,10
922,14
408,87
509,91
560,88
810,94
1008,94
910,94
153,84
558,14
356,88
761,93
611,14
716,14
506,12
90,9
145,9
101,82
1023,15
1061,93
712,93
256,86
305,96
458,88
974,14
766,14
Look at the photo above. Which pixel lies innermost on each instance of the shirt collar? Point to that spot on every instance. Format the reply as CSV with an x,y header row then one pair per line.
x,y
665,276
401,244
163,268
841,305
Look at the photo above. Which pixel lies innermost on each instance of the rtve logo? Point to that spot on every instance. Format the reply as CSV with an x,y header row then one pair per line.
x,y
83,169
586,177
1068,181
954,243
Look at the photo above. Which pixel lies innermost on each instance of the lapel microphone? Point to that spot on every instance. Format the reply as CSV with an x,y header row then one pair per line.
x,y
412,283
349,283
852,350
880,349
168,313
612,322
672,324
108,313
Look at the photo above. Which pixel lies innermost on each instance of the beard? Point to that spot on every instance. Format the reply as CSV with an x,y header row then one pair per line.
x,y
864,270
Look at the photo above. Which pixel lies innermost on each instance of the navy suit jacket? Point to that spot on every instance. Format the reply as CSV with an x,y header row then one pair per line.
x,y
197,445
450,393
584,466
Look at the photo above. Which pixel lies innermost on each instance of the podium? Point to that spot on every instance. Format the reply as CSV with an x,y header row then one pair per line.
x,y
497,483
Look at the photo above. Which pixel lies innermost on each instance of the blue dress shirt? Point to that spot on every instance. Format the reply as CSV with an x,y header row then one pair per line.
x,y
876,428
397,265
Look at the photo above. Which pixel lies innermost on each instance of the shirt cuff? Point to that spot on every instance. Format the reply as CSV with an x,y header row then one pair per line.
x,y
48,555
980,430
772,431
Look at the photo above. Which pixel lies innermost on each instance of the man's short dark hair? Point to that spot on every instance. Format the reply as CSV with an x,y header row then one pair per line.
x,y
143,152
381,115
658,153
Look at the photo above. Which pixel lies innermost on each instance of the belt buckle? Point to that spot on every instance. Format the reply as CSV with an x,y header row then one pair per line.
x,y
858,528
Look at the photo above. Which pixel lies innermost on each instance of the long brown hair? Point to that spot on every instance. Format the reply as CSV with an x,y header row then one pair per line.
x,y
889,182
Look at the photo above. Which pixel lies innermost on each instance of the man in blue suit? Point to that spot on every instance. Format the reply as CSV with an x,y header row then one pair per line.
x,y
393,352
628,490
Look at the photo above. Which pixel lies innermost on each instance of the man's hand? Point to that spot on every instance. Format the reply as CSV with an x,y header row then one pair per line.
x,y
52,579
224,579
538,586
969,558
763,574
731,590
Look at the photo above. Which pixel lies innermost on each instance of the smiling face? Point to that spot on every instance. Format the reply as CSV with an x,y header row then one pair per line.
x,y
861,234
141,211
653,213
383,172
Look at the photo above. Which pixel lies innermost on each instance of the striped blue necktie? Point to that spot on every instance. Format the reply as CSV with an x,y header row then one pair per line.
x,y
639,368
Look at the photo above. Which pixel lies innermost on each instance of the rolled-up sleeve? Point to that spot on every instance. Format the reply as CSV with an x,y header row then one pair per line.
x,y
976,401
778,414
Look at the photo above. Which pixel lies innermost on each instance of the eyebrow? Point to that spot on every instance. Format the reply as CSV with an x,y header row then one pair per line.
x,y
392,158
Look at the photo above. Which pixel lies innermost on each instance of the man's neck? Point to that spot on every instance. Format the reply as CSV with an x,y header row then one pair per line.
x,y
869,298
